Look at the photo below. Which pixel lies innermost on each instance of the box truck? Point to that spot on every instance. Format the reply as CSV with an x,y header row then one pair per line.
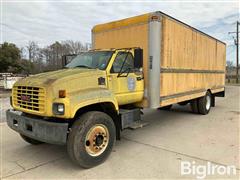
x,y
148,61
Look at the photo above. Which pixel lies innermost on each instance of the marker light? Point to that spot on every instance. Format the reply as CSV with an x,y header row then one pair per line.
x,y
62,93
154,18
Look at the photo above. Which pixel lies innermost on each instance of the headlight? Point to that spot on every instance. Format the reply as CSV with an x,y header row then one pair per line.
x,y
58,108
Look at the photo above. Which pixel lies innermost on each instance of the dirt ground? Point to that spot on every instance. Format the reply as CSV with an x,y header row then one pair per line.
x,y
154,151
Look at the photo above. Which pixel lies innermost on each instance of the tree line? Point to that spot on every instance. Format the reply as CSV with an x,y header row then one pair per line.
x,y
33,59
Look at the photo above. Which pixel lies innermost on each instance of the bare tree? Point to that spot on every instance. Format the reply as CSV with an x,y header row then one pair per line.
x,y
33,51
23,53
50,57
229,66
46,54
229,70
74,47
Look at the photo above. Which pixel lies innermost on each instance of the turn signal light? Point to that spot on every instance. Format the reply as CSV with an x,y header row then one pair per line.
x,y
62,93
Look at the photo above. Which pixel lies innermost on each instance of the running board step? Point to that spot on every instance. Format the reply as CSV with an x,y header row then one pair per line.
x,y
138,124
131,118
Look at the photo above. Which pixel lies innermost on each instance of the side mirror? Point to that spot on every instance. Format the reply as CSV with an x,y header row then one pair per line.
x,y
64,61
138,58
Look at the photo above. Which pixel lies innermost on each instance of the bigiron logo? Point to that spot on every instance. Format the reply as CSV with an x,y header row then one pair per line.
x,y
202,171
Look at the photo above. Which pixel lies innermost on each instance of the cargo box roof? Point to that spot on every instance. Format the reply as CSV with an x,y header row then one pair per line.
x,y
140,19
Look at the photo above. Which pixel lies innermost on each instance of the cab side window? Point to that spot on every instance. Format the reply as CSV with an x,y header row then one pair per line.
x,y
119,60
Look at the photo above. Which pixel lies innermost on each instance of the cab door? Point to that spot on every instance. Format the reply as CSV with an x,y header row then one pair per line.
x,y
125,81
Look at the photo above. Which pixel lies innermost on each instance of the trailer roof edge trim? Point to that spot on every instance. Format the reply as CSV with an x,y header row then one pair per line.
x,y
121,23
162,13
142,19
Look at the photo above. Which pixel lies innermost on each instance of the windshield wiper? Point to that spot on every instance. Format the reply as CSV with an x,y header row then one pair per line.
x,y
84,66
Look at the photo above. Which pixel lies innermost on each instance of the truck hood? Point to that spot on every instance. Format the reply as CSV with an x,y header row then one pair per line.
x,y
62,76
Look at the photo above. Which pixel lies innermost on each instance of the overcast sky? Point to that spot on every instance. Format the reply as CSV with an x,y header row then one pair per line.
x,y
50,21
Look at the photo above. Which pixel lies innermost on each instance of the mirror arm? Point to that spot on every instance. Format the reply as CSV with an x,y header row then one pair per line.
x,y
128,71
120,72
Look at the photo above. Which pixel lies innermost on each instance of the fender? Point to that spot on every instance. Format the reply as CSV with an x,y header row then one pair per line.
x,y
82,98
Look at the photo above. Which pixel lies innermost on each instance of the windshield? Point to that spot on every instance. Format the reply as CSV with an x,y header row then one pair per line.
x,y
91,60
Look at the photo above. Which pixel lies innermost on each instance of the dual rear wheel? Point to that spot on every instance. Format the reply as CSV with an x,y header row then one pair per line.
x,y
203,104
200,105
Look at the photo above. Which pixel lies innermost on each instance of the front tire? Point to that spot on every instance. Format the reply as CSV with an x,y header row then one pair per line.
x,y
30,140
91,139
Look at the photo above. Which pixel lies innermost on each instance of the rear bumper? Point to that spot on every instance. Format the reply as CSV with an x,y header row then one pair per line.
x,y
36,128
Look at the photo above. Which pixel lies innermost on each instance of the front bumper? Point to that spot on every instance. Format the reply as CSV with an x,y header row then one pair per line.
x,y
36,128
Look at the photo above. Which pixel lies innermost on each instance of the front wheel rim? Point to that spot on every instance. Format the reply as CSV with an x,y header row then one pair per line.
x,y
97,140
208,102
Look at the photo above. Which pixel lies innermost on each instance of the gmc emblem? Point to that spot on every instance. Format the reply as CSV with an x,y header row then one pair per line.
x,y
25,98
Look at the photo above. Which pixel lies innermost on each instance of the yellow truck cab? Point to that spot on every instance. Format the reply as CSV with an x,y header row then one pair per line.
x,y
148,61
91,88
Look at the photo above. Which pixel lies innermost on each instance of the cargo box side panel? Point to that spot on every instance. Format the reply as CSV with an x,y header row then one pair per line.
x,y
135,35
191,63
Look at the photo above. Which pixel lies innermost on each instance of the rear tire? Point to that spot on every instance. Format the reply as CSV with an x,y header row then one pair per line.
x,y
165,107
194,106
30,140
91,139
204,103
